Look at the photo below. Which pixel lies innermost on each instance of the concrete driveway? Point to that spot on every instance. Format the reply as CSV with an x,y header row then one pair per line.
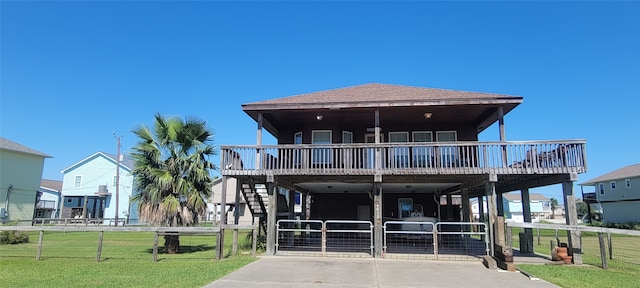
x,y
286,271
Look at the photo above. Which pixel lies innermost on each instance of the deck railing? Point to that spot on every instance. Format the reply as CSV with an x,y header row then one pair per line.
x,y
521,157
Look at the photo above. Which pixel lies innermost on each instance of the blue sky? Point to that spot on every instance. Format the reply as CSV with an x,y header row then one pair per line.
x,y
72,73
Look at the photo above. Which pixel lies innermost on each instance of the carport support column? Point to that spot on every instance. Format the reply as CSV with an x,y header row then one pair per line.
x,y
378,232
292,204
466,209
481,208
272,211
572,219
526,213
490,190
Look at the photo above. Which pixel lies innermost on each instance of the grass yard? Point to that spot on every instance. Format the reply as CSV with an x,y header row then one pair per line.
x,y
624,270
69,260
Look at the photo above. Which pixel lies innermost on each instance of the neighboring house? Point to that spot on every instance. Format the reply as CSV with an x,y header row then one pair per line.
x,y
618,193
48,199
20,175
214,209
475,209
513,211
89,189
374,152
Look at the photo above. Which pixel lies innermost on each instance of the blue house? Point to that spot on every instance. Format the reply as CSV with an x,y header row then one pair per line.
x,y
89,189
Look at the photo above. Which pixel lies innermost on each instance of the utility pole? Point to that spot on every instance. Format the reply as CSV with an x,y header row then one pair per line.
x,y
117,176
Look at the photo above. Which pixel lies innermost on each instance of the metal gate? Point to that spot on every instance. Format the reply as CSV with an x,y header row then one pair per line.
x,y
342,238
442,240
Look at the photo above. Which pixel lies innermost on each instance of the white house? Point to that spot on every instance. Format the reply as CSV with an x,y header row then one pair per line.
x,y
48,199
539,204
618,193
20,175
89,189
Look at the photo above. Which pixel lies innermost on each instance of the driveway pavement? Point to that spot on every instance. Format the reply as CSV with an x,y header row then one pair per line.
x,y
285,271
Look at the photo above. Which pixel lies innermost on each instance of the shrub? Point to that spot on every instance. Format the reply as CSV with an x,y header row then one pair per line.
x,y
261,243
14,237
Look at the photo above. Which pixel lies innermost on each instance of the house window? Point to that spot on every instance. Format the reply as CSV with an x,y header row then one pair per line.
x,y
601,188
297,138
613,185
321,155
446,136
399,155
422,155
77,181
297,154
627,183
347,137
115,180
448,155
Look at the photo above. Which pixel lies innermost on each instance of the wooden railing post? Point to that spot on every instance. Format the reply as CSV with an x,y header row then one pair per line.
x,y
40,238
603,252
254,240
155,247
100,235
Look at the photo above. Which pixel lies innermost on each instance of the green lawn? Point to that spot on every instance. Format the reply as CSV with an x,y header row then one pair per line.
x,y
69,260
624,270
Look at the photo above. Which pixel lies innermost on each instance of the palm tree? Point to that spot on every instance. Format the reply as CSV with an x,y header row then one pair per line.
x,y
172,173
554,204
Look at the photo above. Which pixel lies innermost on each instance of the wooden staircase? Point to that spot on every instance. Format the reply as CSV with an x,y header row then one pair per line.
x,y
257,200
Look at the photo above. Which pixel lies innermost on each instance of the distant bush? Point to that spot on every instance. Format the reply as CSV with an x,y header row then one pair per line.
x,y
14,237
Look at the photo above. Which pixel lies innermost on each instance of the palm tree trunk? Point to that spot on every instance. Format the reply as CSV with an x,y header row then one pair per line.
x,y
171,244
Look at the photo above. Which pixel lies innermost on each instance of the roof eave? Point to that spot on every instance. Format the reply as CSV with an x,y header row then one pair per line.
x,y
409,103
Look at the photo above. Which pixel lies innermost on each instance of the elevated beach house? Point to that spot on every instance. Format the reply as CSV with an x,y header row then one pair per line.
x,y
618,193
376,153
20,175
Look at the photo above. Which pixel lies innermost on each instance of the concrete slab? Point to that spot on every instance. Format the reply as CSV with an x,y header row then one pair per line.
x,y
279,271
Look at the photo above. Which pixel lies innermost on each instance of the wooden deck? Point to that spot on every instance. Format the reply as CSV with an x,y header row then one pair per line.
x,y
456,158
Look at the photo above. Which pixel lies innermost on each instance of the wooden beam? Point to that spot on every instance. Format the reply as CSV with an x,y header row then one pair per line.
x,y
272,211
572,219
377,224
223,218
100,236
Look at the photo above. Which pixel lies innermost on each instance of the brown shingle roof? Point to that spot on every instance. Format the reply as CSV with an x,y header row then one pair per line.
x,y
381,93
51,184
7,144
622,173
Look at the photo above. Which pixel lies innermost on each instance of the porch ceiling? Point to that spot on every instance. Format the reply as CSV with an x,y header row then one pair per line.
x,y
343,187
479,116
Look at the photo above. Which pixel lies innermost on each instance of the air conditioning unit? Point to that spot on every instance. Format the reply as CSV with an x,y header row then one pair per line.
x,y
103,189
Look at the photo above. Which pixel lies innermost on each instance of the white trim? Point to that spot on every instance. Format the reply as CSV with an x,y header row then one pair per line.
x,y
612,185
77,182
601,188
330,136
